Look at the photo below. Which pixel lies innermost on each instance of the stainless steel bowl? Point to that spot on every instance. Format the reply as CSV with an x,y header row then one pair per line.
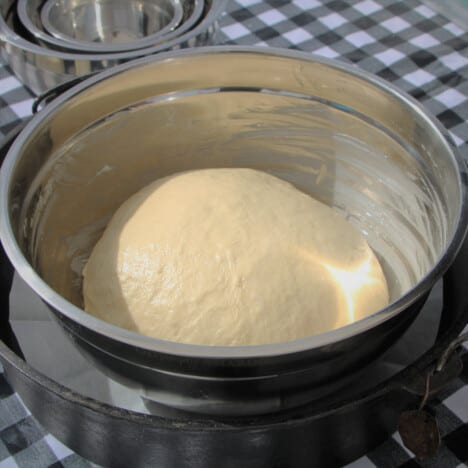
x,y
123,23
339,134
143,22
41,69
73,34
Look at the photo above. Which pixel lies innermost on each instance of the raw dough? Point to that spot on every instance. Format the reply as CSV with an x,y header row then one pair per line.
x,y
230,257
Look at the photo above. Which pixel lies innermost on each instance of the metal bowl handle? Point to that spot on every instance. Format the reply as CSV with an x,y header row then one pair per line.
x,y
43,99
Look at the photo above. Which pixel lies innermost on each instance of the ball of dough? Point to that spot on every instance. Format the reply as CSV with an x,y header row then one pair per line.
x,y
230,257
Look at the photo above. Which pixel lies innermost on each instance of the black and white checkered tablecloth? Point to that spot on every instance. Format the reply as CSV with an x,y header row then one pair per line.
x,y
405,42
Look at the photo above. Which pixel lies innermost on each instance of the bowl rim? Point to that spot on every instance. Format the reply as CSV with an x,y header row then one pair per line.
x,y
79,316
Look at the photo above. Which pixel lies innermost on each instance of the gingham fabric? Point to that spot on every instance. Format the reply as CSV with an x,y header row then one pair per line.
x,y
405,42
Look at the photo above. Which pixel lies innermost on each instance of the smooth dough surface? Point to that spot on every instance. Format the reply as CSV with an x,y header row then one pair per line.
x,y
230,257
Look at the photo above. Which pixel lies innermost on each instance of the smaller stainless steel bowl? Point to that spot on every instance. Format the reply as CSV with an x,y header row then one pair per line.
x,y
111,25
42,68
101,26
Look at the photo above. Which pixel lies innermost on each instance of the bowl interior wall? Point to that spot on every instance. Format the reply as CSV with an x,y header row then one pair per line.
x,y
359,148
330,153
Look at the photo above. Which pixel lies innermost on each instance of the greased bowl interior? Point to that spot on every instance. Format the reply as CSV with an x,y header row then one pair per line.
x,y
343,136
